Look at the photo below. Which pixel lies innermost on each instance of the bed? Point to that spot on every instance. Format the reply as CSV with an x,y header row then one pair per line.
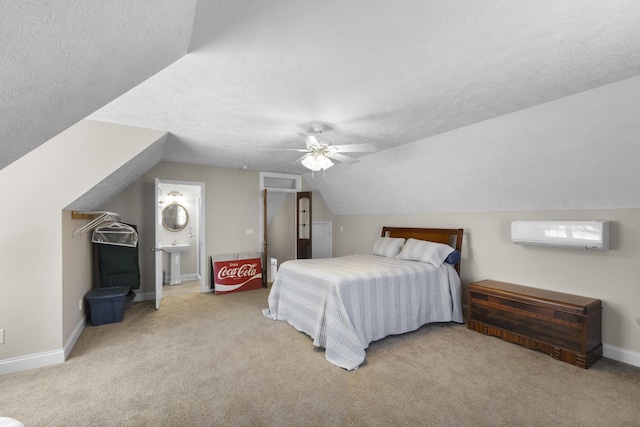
x,y
410,278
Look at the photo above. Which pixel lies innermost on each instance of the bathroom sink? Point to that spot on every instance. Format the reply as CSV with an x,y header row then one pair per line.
x,y
175,251
180,247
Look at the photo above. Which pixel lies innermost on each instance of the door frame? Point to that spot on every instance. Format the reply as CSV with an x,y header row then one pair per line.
x,y
200,215
295,186
157,245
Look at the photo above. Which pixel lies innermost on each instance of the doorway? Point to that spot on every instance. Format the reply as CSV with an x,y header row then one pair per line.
x,y
183,274
278,216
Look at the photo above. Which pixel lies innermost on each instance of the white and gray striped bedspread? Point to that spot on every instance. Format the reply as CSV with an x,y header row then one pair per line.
x,y
345,303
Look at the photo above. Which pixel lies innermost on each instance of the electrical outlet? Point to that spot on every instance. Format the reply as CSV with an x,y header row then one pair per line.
x,y
1,336
80,305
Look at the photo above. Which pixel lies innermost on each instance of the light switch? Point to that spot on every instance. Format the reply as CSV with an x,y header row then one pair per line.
x,y
249,231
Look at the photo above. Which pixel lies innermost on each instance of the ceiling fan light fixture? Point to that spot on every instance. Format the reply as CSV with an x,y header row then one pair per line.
x,y
320,155
317,162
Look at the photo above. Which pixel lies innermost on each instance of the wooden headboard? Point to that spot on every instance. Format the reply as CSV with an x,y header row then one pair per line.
x,y
448,236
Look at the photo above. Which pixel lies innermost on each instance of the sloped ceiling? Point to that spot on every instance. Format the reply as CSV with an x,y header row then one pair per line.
x,y
389,73
395,74
578,152
60,61
120,179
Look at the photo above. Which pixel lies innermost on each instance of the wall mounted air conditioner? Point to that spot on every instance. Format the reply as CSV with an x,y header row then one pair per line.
x,y
570,234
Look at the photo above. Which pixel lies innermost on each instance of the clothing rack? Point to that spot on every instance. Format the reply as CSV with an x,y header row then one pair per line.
x,y
97,219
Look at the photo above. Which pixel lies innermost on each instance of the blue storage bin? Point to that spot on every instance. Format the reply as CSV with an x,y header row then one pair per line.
x,y
106,305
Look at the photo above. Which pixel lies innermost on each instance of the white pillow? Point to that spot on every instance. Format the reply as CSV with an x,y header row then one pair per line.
x,y
388,246
423,251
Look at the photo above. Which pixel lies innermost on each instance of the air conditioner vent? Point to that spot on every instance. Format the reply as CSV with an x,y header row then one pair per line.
x,y
571,234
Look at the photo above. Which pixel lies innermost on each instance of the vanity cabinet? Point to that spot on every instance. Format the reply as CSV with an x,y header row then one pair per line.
x,y
567,327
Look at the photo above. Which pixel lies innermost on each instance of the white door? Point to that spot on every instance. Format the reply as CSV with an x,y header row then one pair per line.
x,y
158,244
321,243
200,258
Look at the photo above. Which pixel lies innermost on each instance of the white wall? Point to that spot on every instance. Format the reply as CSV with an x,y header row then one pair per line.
x,y
77,277
232,203
612,276
320,210
37,187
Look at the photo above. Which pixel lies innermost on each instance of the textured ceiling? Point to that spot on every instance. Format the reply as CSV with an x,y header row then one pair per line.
x,y
227,78
120,179
388,73
578,152
62,60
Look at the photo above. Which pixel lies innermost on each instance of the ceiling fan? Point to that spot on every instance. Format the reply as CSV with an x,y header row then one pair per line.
x,y
320,155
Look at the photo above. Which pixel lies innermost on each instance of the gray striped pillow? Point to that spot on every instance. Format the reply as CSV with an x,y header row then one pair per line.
x,y
423,251
388,246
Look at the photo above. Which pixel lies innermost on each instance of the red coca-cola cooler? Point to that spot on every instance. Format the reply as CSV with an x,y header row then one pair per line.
x,y
236,275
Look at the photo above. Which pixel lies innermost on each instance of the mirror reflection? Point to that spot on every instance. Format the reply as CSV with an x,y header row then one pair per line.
x,y
174,217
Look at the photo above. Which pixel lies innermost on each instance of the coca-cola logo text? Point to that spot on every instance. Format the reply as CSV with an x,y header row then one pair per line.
x,y
237,271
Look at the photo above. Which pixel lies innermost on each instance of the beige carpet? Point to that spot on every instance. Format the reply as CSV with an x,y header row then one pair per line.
x,y
185,288
205,360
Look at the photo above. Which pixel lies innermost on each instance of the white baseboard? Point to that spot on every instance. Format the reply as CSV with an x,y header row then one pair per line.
x,y
621,355
144,296
68,346
39,360
31,361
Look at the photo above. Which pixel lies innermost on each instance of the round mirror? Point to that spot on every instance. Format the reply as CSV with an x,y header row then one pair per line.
x,y
175,217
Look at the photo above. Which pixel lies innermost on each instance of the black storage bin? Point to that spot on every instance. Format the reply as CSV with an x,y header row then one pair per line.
x,y
106,305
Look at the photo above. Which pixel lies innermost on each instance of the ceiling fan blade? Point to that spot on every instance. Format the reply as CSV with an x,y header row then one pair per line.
x,y
354,148
341,158
310,140
301,150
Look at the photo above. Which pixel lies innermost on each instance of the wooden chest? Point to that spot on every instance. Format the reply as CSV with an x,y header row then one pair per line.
x,y
567,327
